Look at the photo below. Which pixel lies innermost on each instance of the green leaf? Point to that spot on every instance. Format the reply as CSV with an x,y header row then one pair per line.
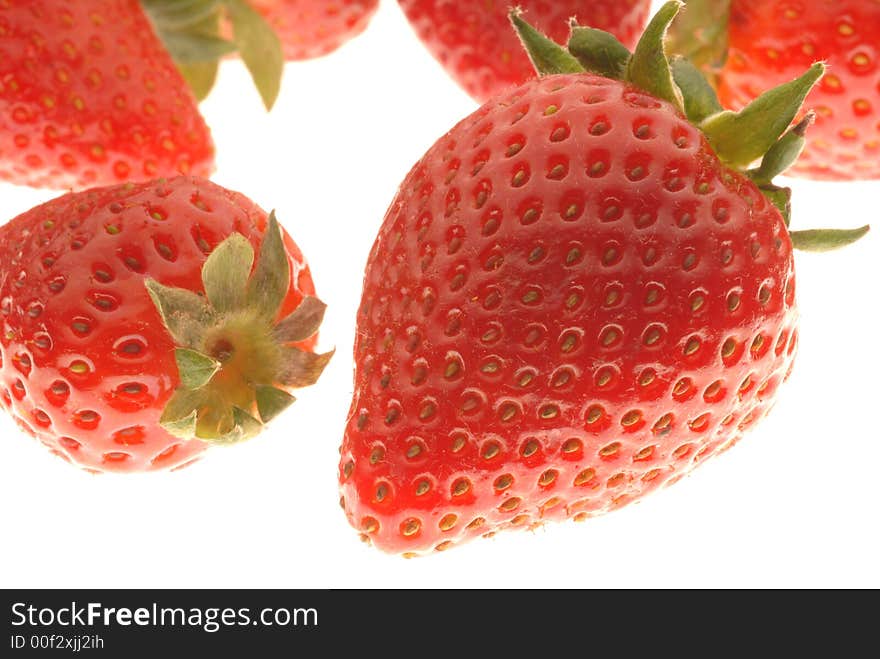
x,y
300,368
194,368
649,67
195,47
226,272
785,152
271,279
700,100
200,77
259,47
740,138
547,56
180,416
779,197
245,427
302,323
272,401
826,240
701,34
179,15
599,52
184,313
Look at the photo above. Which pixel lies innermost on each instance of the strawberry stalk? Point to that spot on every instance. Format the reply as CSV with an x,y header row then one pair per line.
x,y
191,31
237,363
759,133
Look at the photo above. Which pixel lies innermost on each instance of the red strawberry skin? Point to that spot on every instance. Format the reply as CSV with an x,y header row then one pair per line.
x,y
771,42
89,96
87,365
570,304
313,28
475,44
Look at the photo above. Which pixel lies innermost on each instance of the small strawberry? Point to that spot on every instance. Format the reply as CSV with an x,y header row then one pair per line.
x,y
578,295
474,42
312,28
757,44
135,331
89,96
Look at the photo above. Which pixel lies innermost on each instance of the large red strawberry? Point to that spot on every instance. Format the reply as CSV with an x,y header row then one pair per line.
x,y
88,95
312,28
474,42
769,41
577,296
135,332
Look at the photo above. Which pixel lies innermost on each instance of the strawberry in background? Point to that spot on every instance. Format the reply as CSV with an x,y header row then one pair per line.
x,y
313,28
89,96
753,45
474,42
143,323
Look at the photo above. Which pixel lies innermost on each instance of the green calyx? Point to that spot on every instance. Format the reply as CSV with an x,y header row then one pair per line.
x,y
191,31
757,141
235,362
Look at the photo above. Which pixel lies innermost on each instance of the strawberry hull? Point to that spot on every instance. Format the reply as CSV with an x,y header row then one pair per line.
x,y
86,364
570,304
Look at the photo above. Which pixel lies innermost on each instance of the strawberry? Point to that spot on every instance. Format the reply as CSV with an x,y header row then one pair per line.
x,y
135,332
90,97
312,28
579,294
768,42
474,42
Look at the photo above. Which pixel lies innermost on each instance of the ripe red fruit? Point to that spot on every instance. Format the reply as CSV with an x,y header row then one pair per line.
x,y
113,370
574,300
771,41
90,97
312,28
473,40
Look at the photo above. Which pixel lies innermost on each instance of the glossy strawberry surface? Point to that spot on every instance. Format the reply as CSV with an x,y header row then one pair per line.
x,y
474,41
89,96
570,304
87,365
772,41
312,28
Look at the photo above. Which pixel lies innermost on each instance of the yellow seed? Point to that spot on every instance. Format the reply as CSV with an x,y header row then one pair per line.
x,y
448,521
411,527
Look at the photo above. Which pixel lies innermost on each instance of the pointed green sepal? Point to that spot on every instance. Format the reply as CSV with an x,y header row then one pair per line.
x,y
785,152
649,67
226,272
259,47
301,368
180,416
184,428
701,34
741,138
200,76
779,197
191,32
826,240
194,368
302,323
700,100
547,56
185,313
271,279
272,401
244,427
599,52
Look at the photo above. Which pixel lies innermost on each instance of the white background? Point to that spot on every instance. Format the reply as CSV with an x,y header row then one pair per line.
x,y
795,504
